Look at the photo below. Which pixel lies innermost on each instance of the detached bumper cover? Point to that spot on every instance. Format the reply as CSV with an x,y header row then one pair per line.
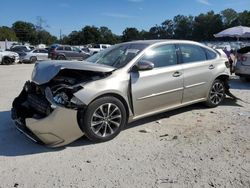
x,y
58,128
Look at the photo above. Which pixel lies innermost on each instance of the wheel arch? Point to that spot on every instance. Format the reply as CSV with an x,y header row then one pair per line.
x,y
119,97
225,79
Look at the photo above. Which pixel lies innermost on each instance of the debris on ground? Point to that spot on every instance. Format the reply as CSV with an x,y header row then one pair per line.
x,y
145,131
164,135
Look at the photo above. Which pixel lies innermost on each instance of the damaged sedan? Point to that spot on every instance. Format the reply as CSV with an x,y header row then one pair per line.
x,y
97,97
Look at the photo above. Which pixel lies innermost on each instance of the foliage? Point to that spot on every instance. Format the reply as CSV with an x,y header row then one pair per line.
x,y
7,33
199,28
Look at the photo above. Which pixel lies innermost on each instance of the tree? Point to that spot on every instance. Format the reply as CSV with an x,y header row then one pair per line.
x,y
183,27
229,18
206,25
106,36
25,31
168,27
45,37
7,33
130,34
244,18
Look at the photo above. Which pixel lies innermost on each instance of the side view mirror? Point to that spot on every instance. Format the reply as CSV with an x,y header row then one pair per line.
x,y
145,65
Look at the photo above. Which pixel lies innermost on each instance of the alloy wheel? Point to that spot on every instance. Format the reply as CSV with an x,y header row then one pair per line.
x,y
106,120
217,93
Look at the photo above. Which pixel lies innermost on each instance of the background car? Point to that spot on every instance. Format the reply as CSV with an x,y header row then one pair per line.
x,y
97,48
98,97
67,53
7,57
34,55
242,67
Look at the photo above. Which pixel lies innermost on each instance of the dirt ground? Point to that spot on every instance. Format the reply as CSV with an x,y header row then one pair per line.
x,y
190,147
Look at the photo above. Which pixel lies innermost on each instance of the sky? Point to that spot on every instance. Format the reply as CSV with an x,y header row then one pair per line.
x,y
70,15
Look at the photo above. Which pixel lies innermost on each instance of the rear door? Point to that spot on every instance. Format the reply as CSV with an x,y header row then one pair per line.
x,y
161,87
197,72
43,54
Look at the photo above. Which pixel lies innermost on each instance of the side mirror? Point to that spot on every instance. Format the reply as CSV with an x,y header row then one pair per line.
x,y
145,65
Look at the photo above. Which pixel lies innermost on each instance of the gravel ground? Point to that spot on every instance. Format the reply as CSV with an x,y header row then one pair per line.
x,y
189,147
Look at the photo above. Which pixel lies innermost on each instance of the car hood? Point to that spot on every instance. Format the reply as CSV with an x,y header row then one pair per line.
x,y
9,53
44,71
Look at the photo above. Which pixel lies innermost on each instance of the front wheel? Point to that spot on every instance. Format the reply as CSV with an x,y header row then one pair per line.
x,y
216,94
104,119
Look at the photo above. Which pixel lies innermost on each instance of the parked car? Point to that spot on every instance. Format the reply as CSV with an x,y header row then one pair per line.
x,y
67,53
97,48
242,67
18,48
7,57
98,97
51,49
34,55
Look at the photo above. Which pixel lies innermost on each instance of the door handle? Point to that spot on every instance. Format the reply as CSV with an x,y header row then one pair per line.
x,y
211,67
177,74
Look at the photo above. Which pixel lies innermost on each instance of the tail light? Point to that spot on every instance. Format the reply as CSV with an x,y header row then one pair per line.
x,y
242,58
227,64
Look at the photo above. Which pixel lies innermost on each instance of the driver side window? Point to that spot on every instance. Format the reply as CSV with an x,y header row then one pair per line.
x,y
161,56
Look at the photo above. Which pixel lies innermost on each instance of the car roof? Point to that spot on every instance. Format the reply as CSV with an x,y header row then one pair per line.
x,y
151,42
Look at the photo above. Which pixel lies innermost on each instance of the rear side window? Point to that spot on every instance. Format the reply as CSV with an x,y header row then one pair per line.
x,y
210,54
192,53
162,56
60,48
67,48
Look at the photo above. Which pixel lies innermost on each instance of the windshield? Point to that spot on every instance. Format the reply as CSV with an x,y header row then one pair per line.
x,y
118,55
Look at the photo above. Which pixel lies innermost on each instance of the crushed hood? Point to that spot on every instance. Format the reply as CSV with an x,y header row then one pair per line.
x,y
44,71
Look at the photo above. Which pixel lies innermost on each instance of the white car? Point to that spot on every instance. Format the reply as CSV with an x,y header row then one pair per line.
x,y
8,57
98,47
242,68
34,55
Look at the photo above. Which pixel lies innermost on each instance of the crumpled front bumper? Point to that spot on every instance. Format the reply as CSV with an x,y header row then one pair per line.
x,y
59,128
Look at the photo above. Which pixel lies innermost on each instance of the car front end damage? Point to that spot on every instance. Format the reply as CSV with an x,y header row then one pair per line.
x,y
47,110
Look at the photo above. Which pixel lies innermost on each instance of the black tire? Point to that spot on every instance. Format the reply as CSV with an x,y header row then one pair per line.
x,y
33,59
7,61
216,94
244,79
112,121
61,57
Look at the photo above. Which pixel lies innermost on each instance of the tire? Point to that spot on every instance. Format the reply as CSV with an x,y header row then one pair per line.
x,y
216,94
7,61
61,57
33,59
244,79
103,119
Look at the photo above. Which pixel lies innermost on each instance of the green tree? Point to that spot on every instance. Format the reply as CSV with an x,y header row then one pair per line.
x,y
25,31
229,18
183,27
206,25
45,37
7,33
244,18
130,34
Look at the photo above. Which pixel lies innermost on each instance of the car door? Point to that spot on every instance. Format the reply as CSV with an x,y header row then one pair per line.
x,y
197,72
43,54
77,53
161,87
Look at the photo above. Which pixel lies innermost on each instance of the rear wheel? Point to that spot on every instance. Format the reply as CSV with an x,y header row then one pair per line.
x,y
216,94
33,59
61,57
104,119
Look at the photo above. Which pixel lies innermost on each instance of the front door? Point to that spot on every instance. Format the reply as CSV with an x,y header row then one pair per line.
x,y
161,87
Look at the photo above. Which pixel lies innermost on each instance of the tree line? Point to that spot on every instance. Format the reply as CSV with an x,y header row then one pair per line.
x,y
198,28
